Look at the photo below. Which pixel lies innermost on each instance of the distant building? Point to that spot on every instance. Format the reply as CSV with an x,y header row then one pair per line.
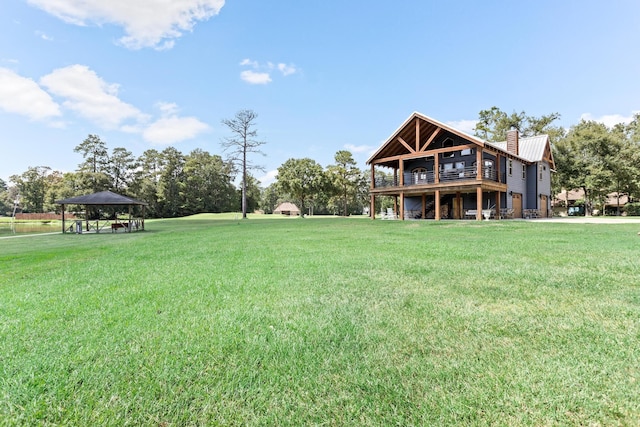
x,y
287,208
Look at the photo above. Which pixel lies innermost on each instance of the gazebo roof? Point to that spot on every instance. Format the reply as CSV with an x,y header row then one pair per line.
x,y
101,198
286,207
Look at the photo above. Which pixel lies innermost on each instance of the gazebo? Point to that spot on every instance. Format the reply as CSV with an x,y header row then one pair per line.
x,y
287,208
104,198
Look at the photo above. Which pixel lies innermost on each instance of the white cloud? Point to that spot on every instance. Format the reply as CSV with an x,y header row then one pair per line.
x,y
43,36
147,23
90,96
248,62
268,178
356,149
287,70
167,108
609,120
23,96
467,126
260,76
255,78
172,129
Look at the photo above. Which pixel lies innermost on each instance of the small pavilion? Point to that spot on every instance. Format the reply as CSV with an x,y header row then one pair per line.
x,y
104,198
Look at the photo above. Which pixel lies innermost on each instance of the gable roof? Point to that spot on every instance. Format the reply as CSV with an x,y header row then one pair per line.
x,y
286,207
428,126
101,198
403,139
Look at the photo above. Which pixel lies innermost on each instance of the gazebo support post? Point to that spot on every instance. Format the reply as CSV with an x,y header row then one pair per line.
x,y
63,228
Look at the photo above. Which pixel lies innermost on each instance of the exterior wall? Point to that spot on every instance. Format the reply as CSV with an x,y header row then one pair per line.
x,y
544,184
516,184
532,200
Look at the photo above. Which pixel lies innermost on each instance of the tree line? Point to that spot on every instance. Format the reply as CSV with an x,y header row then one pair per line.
x,y
176,184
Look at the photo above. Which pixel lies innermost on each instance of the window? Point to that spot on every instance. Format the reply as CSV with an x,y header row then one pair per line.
x,y
467,152
459,165
419,175
510,167
446,144
524,171
541,168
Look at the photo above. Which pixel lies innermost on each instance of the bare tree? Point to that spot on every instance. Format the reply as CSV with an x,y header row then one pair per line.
x,y
242,142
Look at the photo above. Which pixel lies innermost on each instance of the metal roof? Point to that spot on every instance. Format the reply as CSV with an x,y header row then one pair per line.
x,y
530,148
101,198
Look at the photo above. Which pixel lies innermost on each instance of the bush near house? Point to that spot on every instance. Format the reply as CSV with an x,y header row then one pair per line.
x,y
632,209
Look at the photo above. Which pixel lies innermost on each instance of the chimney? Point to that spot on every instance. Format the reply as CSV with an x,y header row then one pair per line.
x,y
512,141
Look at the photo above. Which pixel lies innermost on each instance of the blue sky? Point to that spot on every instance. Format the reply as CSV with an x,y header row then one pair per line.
x,y
322,75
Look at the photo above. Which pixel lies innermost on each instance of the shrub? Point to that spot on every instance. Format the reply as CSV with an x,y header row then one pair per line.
x,y
632,209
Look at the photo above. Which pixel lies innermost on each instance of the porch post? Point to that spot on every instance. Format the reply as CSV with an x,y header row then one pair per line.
x,y
373,177
395,205
498,204
424,206
437,217
479,163
436,168
401,206
62,219
459,206
372,208
479,203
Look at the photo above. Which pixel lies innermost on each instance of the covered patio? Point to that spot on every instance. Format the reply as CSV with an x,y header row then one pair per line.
x,y
102,199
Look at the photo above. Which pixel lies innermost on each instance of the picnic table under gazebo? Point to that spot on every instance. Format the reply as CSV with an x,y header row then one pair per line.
x,y
104,198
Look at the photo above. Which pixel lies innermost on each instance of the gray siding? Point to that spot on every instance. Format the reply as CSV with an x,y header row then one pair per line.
x,y
516,184
544,184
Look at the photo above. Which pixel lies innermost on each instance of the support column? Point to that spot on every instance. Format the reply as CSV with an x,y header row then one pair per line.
x,y
401,214
479,204
62,219
459,206
498,204
424,206
479,164
395,205
372,207
437,217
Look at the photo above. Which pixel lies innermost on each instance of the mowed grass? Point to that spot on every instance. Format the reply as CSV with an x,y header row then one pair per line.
x,y
323,322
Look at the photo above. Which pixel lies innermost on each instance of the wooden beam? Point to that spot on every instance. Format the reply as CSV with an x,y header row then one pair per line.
x,y
479,165
431,138
401,214
437,196
403,142
424,206
436,169
401,181
421,154
372,209
417,134
498,205
479,204
373,176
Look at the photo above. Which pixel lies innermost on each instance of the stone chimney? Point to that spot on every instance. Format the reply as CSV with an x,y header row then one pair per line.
x,y
512,141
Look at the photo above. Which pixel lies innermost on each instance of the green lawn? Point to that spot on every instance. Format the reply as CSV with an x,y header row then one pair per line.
x,y
323,321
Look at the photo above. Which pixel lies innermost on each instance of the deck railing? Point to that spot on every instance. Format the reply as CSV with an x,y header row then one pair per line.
x,y
428,177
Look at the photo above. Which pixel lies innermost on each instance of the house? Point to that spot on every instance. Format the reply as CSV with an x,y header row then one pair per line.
x,y
573,201
287,208
433,170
